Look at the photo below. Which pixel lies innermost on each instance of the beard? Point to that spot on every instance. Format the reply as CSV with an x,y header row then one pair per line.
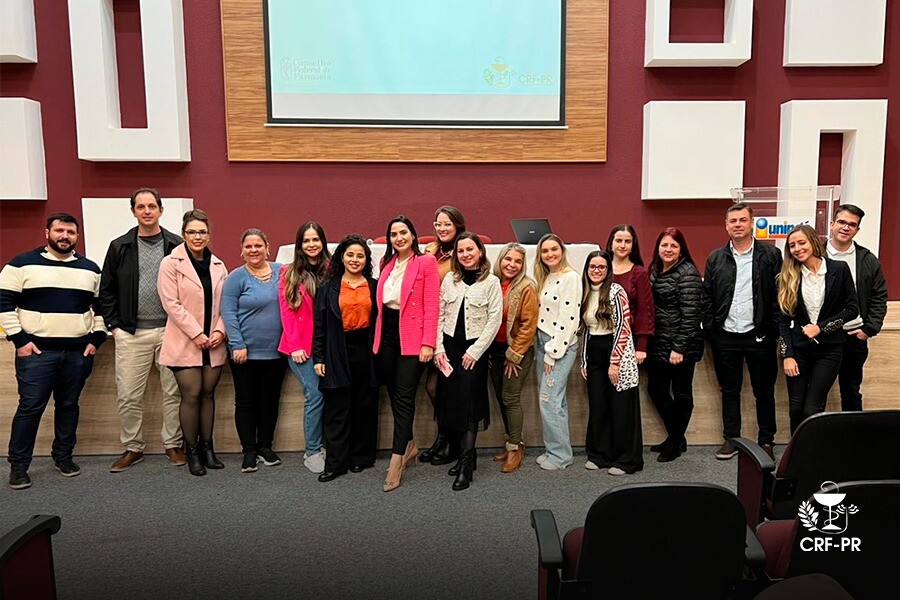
x,y
63,247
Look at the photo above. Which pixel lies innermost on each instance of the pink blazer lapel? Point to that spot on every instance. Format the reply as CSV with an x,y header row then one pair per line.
x,y
409,279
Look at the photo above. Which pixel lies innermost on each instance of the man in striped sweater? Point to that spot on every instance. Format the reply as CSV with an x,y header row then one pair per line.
x,y
49,310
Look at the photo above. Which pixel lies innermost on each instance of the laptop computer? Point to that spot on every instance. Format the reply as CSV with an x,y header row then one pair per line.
x,y
530,231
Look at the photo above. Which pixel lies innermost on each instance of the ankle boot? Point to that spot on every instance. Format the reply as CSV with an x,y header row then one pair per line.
x,y
447,453
514,459
464,477
209,456
438,447
195,463
454,470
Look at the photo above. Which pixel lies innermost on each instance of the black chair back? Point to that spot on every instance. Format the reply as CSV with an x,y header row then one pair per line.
x,y
863,557
26,560
846,446
667,540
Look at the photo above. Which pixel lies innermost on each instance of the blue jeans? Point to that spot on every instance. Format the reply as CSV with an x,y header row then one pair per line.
x,y
553,403
58,372
312,406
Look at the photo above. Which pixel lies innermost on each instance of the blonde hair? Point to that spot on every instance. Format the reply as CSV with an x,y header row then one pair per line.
x,y
541,271
789,278
503,252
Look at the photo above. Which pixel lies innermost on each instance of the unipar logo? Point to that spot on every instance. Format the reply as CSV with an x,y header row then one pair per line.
x,y
775,228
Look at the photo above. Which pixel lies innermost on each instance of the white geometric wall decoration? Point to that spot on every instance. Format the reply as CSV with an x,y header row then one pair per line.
x,y
18,43
23,175
692,149
105,219
101,136
864,125
732,51
834,33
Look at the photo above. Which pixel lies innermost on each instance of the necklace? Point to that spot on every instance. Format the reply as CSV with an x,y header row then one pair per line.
x,y
355,283
262,275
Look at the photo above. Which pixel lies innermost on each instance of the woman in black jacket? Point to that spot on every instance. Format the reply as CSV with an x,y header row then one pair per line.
x,y
816,296
677,342
345,314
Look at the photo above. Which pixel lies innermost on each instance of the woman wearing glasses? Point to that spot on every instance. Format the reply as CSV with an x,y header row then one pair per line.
x,y
190,286
613,439
449,222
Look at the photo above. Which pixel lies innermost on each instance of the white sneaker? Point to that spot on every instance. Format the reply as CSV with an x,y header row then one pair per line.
x,y
541,459
616,471
315,463
591,466
549,466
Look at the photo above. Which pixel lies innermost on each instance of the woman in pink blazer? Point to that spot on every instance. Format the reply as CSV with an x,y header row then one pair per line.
x,y
408,299
190,288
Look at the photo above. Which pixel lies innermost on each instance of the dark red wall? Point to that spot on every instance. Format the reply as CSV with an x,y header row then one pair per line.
x,y
582,200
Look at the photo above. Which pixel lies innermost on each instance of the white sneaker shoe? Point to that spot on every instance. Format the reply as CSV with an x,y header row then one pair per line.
x,y
616,471
591,466
315,463
541,459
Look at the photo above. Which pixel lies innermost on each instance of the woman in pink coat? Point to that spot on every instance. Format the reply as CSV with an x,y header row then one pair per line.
x,y
408,299
190,287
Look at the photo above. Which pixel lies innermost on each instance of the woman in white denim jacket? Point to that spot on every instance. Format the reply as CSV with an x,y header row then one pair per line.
x,y
470,316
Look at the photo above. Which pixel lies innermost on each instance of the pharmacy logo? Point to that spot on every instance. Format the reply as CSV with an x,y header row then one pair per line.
x,y
499,74
829,515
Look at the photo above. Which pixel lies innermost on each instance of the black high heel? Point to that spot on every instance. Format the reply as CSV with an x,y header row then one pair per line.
x,y
454,470
438,447
464,477
194,461
208,455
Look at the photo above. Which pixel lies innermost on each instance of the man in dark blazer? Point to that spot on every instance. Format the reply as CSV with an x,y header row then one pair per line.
x,y
871,291
740,280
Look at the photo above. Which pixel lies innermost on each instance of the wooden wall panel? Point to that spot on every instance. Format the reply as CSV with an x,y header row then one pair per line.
x,y
98,431
249,139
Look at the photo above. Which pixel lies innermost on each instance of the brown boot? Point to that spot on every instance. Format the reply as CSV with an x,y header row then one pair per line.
x,y
501,457
514,459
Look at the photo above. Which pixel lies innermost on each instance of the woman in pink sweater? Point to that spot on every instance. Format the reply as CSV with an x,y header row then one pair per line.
x,y
296,295
408,299
190,285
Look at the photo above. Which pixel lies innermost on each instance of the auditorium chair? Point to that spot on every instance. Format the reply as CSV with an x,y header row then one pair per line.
x,y
863,558
26,560
845,446
652,540
817,585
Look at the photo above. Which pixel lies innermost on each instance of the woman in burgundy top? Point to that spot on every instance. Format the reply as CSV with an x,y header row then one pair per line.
x,y
629,272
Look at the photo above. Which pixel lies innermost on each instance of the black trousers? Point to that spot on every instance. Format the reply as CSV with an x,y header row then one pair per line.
x,y
613,437
671,388
850,376
808,392
730,350
350,414
400,375
257,394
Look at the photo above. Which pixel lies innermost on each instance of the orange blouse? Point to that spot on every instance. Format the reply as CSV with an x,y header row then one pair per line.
x,y
356,306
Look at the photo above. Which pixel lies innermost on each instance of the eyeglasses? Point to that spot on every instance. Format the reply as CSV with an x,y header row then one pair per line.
x,y
599,268
193,233
439,225
847,224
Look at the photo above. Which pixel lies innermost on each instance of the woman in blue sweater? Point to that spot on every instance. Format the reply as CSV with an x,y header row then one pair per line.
x,y
253,324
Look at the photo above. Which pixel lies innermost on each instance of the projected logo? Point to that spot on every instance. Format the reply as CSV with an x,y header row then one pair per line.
x,y
833,521
770,229
501,75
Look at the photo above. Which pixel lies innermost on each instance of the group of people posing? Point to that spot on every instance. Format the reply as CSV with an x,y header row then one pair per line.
x,y
443,312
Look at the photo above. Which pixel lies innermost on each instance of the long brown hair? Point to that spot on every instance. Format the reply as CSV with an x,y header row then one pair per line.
x,y
484,265
301,271
603,313
789,284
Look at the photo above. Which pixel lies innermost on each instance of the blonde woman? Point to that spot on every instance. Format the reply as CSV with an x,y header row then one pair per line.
x,y
816,296
559,315
512,351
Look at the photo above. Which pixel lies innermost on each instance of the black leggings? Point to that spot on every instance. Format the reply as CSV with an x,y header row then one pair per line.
x,y
198,401
257,392
400,374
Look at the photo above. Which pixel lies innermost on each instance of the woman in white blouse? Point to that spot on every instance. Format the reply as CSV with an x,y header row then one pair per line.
x,y
470,316
559,294
816,296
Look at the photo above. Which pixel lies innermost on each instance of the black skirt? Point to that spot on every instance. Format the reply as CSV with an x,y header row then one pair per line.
x,y
462,398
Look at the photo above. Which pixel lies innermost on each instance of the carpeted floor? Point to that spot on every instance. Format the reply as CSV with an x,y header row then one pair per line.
x,y
156,532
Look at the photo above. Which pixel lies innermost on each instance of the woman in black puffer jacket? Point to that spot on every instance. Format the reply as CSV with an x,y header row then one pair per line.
x,y
677,343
